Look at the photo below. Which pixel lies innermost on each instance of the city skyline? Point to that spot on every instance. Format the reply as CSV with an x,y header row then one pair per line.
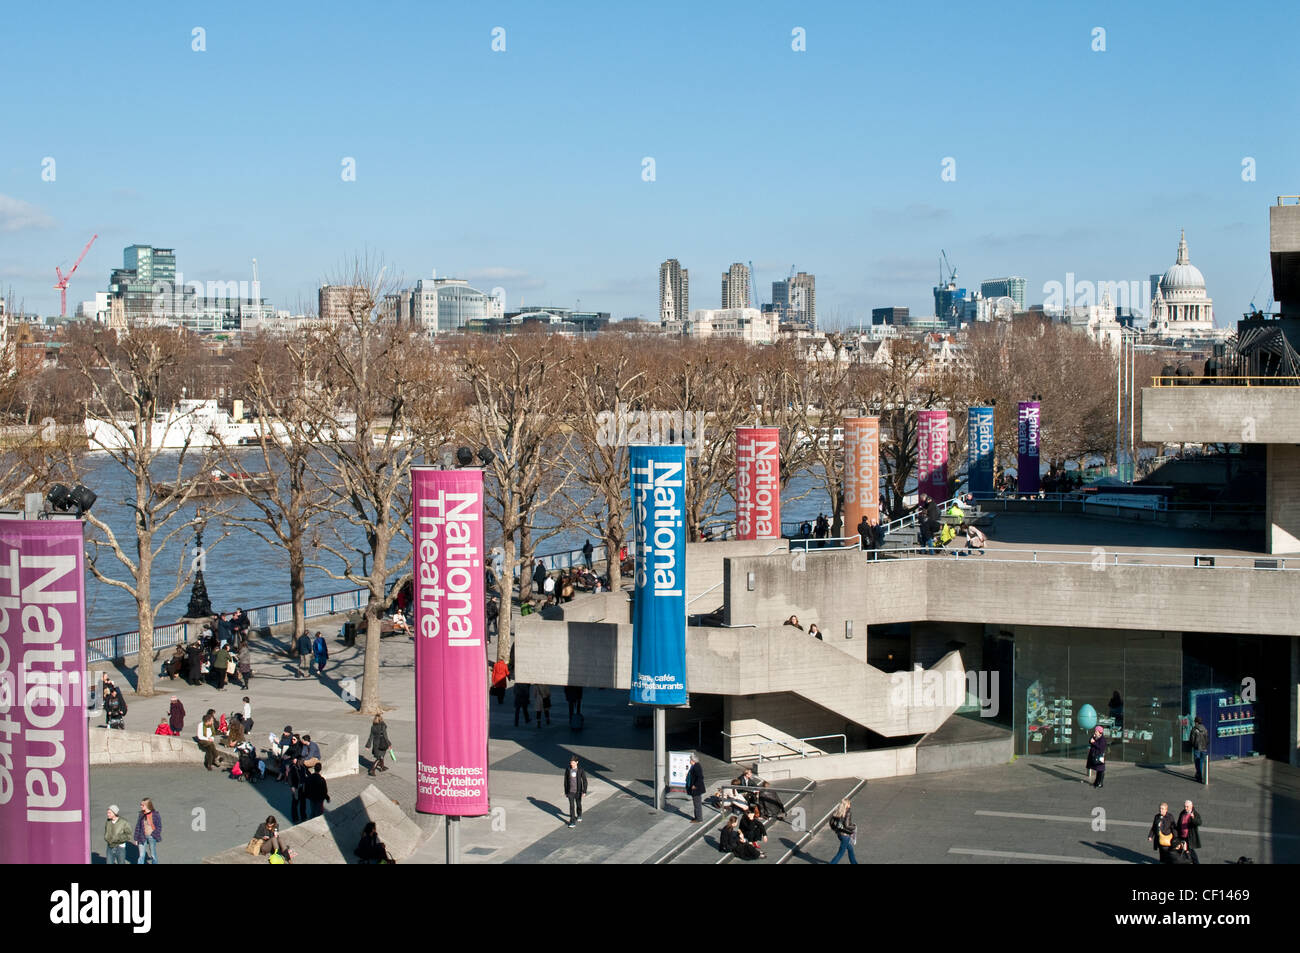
x,y
1049,196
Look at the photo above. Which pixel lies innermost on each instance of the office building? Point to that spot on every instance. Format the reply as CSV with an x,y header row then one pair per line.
x,y
894,315
795,300
746,324
735,287
1013,288
674,292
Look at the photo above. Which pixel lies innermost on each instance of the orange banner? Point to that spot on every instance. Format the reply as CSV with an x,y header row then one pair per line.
x,y
861,472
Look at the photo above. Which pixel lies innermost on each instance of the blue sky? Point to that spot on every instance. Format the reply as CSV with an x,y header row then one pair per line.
x,y
523,168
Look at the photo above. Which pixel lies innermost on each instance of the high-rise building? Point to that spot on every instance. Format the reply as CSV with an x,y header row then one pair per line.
x,y
735,287
949,303
146,273
893,315
448,305
149,290
1013,288
674,292
795,300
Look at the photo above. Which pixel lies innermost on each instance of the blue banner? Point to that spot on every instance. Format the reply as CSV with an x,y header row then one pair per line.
x,y
1027,466
659,599
979,455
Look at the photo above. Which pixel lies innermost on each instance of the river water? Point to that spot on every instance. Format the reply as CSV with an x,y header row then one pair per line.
x,y
245,570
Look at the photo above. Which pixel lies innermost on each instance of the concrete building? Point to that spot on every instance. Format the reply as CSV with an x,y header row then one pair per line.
x,y
337,303
674,292
746,324
735,287
795,300
448,305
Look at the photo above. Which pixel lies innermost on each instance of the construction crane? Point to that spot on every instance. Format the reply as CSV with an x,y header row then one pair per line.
x,y
952,272
62,285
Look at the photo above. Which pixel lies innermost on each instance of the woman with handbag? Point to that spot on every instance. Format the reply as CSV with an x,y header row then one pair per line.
x,y
378,744
1162,833
842,824
267,840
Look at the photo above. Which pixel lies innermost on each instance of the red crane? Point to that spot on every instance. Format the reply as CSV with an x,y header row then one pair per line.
x,y
62,285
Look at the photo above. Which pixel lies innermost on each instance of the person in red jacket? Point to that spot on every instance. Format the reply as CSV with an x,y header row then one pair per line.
x,y
164,728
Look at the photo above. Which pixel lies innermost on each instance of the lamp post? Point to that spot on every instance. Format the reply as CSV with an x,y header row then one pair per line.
x,y
200,607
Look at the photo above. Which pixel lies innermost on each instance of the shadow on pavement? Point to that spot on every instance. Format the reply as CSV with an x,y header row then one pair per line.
x,y
1127,854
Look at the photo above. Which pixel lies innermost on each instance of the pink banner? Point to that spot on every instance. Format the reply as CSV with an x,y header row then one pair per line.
x,y
44,728
451,738
932,454
758,483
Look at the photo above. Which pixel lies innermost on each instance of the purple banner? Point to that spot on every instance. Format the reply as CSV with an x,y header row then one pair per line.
x,y
932,454
1027,460
451,738
44,727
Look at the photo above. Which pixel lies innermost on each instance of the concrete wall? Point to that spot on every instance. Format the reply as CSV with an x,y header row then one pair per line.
x,y
110,746
783,716
846,586
931,759
1213,414
1282,506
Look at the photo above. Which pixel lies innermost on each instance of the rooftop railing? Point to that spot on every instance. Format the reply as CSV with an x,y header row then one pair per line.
x,y
1259,380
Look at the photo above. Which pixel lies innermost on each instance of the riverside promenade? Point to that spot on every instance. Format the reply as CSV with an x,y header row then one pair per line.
x,y
1032,811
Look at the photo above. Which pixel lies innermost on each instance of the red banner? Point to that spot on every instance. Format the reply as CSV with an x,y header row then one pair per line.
x,y
758,483
861,472
44,727
932,454
451,738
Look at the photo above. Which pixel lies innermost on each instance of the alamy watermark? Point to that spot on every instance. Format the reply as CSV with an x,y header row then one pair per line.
x,y
1125,295
622,428
954,689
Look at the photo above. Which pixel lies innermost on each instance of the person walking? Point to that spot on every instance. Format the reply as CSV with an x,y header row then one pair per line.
x,y
539,577
320,653
695,788
575,786
842,825
176,716
297,784
245,668
148,831
316,792
1187,827
822,527
194,664
304,655
542,703
1161,834
573,695
1200,739
378,744
1097,756
587,550
522,691
220,662
117,834
208,740
248,714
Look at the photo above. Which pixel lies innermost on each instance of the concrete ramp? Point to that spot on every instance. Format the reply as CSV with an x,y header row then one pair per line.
x,y
331,838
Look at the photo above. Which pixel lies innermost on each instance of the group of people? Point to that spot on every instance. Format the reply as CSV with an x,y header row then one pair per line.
x,y
813,630
300,767
554,588
312,651
540,698
1177,839
146,835
220,654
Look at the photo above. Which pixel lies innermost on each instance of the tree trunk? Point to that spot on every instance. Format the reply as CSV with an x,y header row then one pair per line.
x,y
505,618
371,704
297,584
144,618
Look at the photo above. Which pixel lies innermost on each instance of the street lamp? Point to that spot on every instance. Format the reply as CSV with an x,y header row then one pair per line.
x,y
200,606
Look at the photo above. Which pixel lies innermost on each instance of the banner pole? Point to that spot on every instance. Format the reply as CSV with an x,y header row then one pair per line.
x,y
661,755
453,839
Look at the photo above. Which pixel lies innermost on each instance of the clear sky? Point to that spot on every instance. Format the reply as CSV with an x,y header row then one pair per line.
x,y
524,168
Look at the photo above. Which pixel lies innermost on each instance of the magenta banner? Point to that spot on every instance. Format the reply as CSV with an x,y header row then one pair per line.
x,y
44,730
758,483
451,739
932,454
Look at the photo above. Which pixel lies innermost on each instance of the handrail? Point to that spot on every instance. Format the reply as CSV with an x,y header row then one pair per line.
x,y
705,592
1255,380
1201,561
786,742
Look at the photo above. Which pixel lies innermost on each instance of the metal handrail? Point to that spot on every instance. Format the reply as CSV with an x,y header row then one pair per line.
x,y
787,742
1257,380
1110,558
705,592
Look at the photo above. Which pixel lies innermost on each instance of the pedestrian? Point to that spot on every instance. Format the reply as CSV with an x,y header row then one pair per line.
x,y
176,715
522,690
1096,763
542,703
815,632
117,834
575,786
573,695
842,825
114,709
297,784
865,536
548,589
321,653
245,668
752,829
378,744
1200,745
539,576
316,791
208,740
248,714
1187,827
148,831
1161,834
587,550
371,849
304,655
194,663
695,788
221,667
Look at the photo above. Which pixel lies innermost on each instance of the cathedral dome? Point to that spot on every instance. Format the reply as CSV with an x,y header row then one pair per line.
x,y
1183,278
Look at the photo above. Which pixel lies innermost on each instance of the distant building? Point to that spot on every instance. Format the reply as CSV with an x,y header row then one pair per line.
x,y
149,290
893,315
674,292
735,287
134,289
949,303
1013,288
747,324
448,305
337,303
795,300
1180,308
555,319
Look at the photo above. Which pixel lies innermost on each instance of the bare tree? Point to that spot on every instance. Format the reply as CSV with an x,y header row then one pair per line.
x,y
520,387
130,381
